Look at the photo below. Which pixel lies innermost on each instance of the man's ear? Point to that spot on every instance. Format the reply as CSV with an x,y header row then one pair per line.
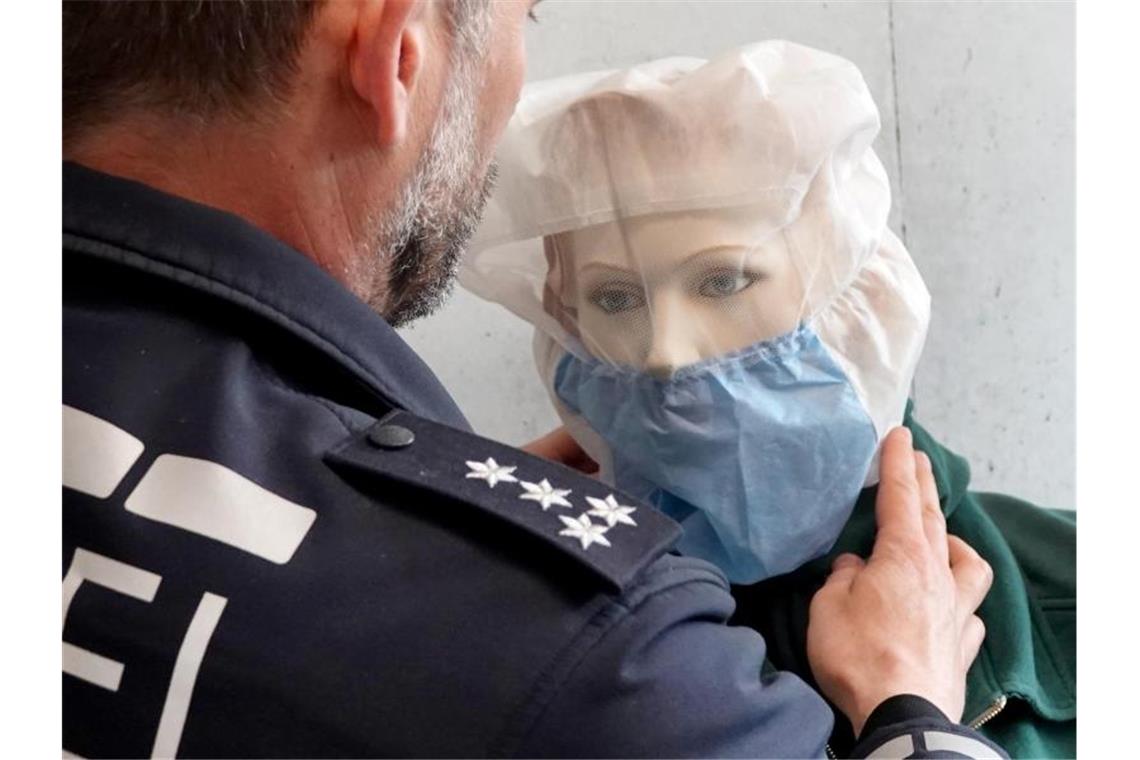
x,y
385,62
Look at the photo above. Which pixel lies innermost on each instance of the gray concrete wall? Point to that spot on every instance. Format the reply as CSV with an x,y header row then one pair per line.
x,y
977,102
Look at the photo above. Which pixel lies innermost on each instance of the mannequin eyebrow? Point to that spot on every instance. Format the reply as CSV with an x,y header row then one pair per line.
x,y
680,265
714,249
597,265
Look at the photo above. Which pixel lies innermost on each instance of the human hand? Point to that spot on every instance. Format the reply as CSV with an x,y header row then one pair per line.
x,y
901,622
559,446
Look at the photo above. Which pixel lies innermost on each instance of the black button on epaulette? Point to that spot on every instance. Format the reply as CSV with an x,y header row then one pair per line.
x,y
390,436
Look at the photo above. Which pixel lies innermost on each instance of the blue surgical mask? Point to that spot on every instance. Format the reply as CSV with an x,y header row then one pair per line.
x,y
759,454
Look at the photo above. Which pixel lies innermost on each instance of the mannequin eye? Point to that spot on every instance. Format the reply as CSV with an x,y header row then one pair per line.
x,y
723,283
617,297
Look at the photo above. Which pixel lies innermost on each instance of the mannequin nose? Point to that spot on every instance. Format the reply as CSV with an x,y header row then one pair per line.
x,y
672,344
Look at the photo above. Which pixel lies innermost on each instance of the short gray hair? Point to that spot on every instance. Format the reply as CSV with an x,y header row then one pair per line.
x,y
197,58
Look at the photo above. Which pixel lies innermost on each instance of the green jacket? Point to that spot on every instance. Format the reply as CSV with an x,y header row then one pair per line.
x,y
1026,671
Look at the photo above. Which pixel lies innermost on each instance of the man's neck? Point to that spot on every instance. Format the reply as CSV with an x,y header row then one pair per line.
x,y
281,190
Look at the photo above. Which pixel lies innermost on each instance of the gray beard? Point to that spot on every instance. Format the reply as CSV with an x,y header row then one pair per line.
x,y
425,265
423,238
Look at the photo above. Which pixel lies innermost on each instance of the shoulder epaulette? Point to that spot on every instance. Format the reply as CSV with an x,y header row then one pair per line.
x,y
602,529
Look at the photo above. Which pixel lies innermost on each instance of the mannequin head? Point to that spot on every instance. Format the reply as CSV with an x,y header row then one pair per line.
x,y
721,224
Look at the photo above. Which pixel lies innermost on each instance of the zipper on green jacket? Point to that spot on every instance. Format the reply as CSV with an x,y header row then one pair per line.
x,y
990,712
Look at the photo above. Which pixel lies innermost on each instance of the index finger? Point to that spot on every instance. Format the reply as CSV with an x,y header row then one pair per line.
x,y
898,506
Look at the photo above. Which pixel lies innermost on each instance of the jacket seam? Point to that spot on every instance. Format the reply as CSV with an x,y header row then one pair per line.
x,y
564,665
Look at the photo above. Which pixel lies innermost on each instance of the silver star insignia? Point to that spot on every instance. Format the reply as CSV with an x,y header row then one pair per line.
x,y
585,531
492,472
609,510
545,494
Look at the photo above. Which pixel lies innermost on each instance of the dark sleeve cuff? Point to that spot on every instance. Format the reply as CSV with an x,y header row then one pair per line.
x,y
910,726
900,709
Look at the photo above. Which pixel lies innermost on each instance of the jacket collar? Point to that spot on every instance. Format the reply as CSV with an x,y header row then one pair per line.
x,y
220,254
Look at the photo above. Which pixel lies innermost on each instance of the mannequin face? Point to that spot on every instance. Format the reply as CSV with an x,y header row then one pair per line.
x,y
662,291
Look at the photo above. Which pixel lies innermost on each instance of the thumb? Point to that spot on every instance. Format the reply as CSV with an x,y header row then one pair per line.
x,y
559,446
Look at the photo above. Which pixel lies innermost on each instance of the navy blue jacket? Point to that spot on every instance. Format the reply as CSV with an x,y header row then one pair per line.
x,y
281,538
